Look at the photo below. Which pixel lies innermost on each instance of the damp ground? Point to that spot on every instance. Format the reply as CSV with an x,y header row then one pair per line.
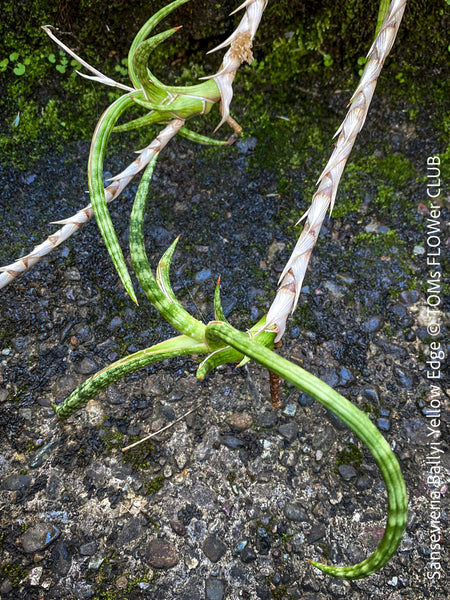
x,y
231,501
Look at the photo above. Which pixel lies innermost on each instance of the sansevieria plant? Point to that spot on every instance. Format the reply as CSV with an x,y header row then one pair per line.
x,y
218,341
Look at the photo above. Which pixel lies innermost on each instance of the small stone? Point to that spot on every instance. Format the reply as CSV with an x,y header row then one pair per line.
x,y
248,555
88,549
214,548
317,532
268,419
372,324
72,274
114,396
203,275
16,482
289,459
336,421
160,554
95,563
214,589
331,377
230,441
121,582
404,379
305,400
61,559
290,410
371,395
345,376
409,297
20,344
83,590
364,483
240,421
116,323
5,587
39,537
383,424
35,575
289,431
295,512
347,472
86,367
334,289
178,527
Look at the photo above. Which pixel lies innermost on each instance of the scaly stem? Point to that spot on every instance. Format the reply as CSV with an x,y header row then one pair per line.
x,y
291,279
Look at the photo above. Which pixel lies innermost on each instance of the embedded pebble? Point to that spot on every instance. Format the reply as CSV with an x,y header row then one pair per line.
x,y
230,441
88,549
16,482
383,424
61,559
295,512
248,555
35,575
409,297
290,410
404,379
39,537
214,589
268,419
371,394
347,472
372,324
203,275
345,376
316,533
305,400
161,554
289,431
86,367
43,454
240,421
214,548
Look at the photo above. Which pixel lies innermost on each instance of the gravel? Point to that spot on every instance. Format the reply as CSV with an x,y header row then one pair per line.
x,y
247,493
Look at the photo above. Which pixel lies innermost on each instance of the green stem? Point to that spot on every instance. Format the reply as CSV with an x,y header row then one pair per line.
x,y
96,188
177,346
170,309
358,422
382,12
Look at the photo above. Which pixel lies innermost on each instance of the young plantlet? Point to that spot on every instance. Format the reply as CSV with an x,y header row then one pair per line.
x,y
218,340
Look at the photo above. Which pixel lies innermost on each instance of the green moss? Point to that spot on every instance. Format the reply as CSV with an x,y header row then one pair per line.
x,y
139,457
351,455
14,573
153,486
135,581
231,477
394,169
305,318
113,440
378,243
281,593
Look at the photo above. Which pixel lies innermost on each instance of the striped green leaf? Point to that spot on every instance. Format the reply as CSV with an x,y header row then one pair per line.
x,y
97,191
358,422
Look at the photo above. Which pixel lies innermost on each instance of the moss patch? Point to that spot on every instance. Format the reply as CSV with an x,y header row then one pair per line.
x,y
14,573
